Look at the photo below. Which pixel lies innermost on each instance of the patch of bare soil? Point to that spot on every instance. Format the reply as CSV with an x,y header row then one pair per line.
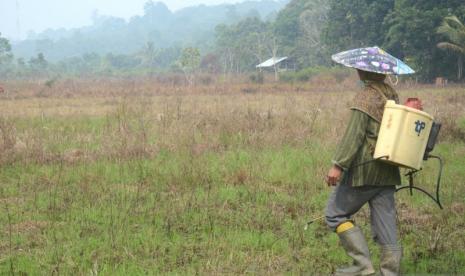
x,y
410,215
11,200
457,208
28,226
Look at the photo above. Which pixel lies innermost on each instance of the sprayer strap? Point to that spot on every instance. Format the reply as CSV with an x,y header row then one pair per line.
x,y
369,161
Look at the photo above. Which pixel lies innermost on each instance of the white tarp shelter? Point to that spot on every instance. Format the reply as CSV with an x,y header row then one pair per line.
x,y
271,62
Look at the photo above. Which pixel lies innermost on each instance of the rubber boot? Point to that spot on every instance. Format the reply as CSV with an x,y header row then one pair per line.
x,y
356,247
390,260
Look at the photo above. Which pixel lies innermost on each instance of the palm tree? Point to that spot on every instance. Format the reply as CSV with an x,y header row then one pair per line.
x,y
454,30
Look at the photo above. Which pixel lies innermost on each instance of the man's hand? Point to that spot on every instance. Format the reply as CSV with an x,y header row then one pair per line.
x,y
334,175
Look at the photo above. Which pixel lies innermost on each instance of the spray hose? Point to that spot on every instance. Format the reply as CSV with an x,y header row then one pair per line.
x,y
411,175
412,187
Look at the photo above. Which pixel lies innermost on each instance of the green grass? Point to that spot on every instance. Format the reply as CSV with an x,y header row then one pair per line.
x,y
237,211
146,207
199,195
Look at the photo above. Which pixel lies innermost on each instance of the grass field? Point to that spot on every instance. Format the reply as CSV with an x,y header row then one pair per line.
x,y
124,177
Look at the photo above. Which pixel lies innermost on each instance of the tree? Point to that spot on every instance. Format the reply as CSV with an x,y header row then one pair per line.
x,y
411,35
225,46
244,45
310,50
148,55
5,52
454,31
167,57
286,27
189,63
231,14
92,62
38,63
157,13
211,64
254,41
356,23
298,30
120,62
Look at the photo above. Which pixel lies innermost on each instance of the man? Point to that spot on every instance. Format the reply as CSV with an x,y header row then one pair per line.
x,y
359,179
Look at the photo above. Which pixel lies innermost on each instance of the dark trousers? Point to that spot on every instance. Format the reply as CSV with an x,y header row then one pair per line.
x,y
346,200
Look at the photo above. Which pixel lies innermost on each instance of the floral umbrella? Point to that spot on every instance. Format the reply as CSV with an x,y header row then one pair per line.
x,y
373,59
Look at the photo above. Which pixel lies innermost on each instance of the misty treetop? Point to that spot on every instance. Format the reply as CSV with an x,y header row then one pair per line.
x,y
235,38
193,26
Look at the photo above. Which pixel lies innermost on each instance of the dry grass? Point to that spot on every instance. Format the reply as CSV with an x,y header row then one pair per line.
x,y
143,116
148,176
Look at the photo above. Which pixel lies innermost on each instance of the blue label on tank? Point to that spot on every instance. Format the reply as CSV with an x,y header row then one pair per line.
x,y
419,126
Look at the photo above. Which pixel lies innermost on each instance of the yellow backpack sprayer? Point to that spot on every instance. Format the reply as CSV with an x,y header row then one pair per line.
x,y
406,138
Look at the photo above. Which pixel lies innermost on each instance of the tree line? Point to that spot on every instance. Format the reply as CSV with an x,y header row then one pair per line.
x,y
429,35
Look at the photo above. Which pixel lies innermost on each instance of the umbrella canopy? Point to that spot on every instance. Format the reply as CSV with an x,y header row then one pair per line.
x,y
372,59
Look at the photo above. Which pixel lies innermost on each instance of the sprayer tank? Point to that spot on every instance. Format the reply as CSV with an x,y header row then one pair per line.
x,y
403,135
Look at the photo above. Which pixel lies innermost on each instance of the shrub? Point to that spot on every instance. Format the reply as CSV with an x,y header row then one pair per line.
x,y
257,77
306,74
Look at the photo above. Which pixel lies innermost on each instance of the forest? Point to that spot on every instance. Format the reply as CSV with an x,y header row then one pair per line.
x,y
232,39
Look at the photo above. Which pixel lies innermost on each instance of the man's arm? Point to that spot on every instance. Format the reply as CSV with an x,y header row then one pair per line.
x,y
348,146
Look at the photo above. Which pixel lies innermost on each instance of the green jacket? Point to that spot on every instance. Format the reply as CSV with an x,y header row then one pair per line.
x,y
359,141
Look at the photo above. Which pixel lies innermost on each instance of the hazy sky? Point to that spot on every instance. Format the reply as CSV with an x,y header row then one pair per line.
x,y
38,15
